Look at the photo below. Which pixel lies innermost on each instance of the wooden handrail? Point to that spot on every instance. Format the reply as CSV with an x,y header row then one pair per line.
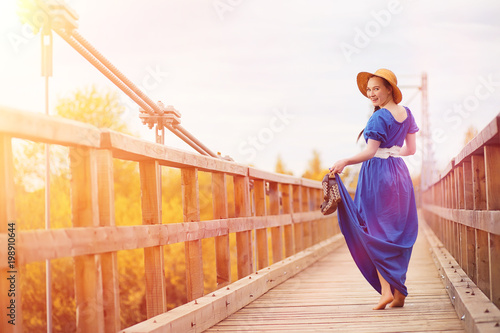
x,y
463,208
286,209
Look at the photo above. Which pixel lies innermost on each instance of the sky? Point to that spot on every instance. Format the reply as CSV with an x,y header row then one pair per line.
x,y
257,79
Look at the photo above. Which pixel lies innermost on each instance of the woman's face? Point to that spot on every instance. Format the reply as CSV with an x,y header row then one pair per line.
x,y
377,92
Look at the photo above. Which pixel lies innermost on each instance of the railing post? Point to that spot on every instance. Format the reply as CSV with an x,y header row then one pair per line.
x,y
191,213
315,235
259,186
456,231
470,265
220,211
7,215
482,244
243,238
276,232
459,184
306,226
85,213
156,297
286,190
298,226
111,289
492,161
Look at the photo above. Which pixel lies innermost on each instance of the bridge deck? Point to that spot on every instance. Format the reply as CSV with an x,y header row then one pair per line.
x,y
332,295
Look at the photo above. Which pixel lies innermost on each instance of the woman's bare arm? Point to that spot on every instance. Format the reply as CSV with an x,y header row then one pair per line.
x,y
410,146
366,154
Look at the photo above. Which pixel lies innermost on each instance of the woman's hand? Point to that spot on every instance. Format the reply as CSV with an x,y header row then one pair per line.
x,y
339,166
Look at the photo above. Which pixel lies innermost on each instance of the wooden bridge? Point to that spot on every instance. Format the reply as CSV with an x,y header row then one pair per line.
x,y
294,272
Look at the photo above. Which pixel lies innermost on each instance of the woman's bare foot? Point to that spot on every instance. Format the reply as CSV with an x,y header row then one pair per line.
x,y
384,300
399,300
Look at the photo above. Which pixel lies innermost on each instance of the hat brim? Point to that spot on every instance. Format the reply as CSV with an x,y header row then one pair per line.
x,y
362,80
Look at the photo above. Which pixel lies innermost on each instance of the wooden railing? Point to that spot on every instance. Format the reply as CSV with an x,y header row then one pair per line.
x,y
463,209
285,206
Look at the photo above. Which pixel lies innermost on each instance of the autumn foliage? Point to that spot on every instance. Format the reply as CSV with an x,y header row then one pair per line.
x,y
103,109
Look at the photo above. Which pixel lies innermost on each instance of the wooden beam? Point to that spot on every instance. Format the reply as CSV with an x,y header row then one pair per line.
x,y
468,187
286,190
261,234
276,232
109,262
243,238
38,245
272,177
492,162
156,297
297,227
471,254
220,211
306,226
488,136
483,261
315,228
459,183
209,310
471,305
191,213
10,296
479,219
42,128
85,213
495,269
129,148
478,182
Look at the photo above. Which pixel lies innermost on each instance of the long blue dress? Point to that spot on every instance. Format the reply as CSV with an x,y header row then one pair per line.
x,y
380,226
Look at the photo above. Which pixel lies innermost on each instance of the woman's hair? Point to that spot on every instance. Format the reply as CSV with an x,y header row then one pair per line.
x,y
387,85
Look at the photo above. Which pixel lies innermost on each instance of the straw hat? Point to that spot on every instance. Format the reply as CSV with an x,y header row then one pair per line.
x,y
363,78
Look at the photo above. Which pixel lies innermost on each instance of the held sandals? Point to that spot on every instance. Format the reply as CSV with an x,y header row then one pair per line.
x,y
331,194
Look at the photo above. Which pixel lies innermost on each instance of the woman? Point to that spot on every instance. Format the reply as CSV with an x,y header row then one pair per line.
x,y
380,225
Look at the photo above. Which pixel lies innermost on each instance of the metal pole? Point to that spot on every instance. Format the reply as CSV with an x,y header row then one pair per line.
x,y
46,37
426,174
160,138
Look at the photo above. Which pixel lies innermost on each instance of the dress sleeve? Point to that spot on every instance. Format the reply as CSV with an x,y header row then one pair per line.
x,y
376,128
413,124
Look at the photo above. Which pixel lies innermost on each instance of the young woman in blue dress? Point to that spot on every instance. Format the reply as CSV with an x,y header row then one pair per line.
x,y
380,225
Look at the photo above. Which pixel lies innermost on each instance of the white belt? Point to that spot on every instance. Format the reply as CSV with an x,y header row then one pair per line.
x,y
388,152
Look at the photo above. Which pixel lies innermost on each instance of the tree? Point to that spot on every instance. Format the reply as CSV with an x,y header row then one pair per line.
x,y
315,170
280,167
470,134
100,108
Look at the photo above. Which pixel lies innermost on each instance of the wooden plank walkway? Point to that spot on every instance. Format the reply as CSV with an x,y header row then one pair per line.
x,y
332,296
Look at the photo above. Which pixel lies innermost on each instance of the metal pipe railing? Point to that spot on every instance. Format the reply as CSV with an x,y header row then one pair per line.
x,y
101,63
